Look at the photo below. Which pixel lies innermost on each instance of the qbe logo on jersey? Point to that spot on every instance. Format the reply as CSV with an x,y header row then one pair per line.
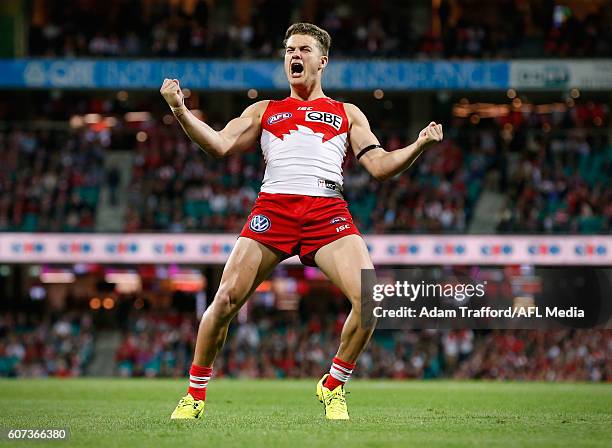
x,y
260,223
333,120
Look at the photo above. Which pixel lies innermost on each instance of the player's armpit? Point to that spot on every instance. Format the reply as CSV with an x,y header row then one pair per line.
x,y
242,133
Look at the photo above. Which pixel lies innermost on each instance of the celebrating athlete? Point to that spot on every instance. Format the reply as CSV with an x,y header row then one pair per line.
x,y
300,209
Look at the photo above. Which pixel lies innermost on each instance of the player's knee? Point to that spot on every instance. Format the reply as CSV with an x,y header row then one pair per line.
x,y
226,303
355,299
367,322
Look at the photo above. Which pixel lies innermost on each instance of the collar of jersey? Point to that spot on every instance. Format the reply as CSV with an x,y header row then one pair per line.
x,y
308,101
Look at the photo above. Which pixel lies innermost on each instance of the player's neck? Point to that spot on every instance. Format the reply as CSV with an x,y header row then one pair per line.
x,y
306,93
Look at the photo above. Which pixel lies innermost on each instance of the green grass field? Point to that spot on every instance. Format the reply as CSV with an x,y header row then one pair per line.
x,y
240,413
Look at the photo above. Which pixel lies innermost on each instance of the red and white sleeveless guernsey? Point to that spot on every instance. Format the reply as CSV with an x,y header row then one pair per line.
x,y
304,144
300,207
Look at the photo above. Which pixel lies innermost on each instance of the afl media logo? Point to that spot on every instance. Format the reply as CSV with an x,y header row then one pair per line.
x,y
259,223
279,117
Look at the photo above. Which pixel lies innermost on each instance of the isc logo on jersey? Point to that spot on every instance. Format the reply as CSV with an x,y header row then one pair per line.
x,y
279,117
325,117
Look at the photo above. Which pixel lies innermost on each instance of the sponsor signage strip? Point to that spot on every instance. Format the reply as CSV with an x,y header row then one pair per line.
x,y
241,74
561,74
404,250
341,74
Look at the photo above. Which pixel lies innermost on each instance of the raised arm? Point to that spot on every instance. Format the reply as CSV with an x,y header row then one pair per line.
x,y
238,135
380,163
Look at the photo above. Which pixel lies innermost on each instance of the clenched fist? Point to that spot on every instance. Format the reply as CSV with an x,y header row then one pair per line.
x,y
431,134
172,93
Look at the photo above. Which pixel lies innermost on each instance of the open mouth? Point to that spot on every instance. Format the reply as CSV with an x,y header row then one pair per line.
x,y
296,68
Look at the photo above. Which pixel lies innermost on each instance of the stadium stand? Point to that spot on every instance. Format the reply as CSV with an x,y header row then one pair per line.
x,y
550,162
160,345
33,346
462,29
51,179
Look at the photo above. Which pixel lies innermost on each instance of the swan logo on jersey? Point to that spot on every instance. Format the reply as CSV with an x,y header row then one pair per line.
x,y
259,223
333,120
279,117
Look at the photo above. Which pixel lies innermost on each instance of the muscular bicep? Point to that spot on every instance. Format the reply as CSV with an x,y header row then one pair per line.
x,y
242,132
239,134
360,137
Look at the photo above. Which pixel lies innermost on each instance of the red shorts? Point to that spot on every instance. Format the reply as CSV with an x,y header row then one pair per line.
x,y
298,225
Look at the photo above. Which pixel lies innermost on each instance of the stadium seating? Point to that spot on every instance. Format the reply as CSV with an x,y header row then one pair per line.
x,y
161,345
549,165
42,346
159,29
175,188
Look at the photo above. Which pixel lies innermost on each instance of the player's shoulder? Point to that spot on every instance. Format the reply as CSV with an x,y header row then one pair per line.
x,y
351,108
353,112
256,109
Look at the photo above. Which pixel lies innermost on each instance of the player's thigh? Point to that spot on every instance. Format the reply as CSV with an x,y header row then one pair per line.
x,y
248,265
342,261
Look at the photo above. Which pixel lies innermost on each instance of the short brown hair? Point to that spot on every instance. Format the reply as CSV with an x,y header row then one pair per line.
x,y
321,36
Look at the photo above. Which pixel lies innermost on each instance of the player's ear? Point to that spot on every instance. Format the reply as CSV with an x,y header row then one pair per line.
x,y
323,62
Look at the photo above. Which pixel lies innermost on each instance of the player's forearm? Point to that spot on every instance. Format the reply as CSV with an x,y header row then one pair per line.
x,y
391,163
200,133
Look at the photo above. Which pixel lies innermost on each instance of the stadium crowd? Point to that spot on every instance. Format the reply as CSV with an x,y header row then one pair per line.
x,y
254,28
552,169
50,180
280,347
285,345
560,186
36,347
175,188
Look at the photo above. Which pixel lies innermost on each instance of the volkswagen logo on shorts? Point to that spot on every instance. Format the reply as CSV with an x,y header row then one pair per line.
x,y
259,223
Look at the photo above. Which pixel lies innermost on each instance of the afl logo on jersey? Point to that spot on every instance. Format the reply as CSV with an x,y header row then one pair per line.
x,y
333,120
260,223
279,117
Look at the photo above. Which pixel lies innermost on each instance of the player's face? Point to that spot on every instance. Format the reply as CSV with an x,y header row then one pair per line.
x,y
304,61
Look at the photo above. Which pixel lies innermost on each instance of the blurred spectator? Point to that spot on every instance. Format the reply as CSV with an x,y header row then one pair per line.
x,y
557,183
543,356
281,345
459,28
550,162
157,345
31,347
113,180
50,180
276,346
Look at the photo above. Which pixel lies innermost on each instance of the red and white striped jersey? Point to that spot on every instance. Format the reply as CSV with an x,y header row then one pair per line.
x,y
304,144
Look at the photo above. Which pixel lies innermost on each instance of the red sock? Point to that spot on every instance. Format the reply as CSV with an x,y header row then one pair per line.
x,y
339,373
198,380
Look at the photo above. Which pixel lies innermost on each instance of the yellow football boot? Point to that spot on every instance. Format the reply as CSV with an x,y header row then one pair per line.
x,y
334,401
188,408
